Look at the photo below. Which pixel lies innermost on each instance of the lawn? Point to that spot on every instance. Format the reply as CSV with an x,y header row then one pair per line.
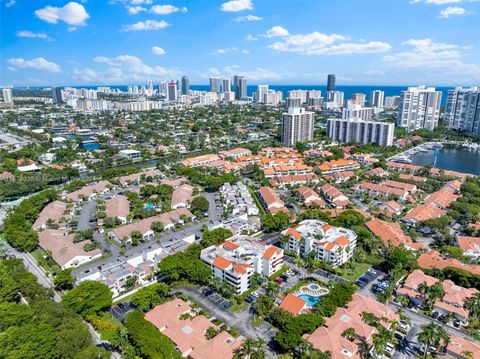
x,y
354,273
236,307
46,263
278,273
257,321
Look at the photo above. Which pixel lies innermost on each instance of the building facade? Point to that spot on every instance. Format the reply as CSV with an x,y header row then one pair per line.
x,y
419,108
297,126
462,111
355,130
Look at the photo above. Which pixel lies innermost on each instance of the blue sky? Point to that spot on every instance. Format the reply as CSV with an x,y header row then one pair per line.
x,y
117,42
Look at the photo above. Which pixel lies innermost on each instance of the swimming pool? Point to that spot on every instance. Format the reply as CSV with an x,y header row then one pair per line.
x,y
149,206
310,299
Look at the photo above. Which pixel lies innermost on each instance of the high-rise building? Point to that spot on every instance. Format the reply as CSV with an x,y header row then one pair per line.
x,y
226,85
357,130
297,126
185,85
215,84
272,97
293,102
331,83
150,87
335,97
57,95
359,98
172,91
376,98
419,107
260,94
355,110
163,88
391,102
462,111
240,87
7,95
300,94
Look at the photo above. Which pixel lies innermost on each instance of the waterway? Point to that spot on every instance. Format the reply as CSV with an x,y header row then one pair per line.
x,y
450,157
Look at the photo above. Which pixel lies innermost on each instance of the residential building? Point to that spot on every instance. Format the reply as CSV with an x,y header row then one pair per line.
x,y
293,304
334,100
391,234
419,108
182,196
189,334
391,102
57,95
130,154
461,348
442,198
423,212
356,130
331,82
469,245
118,207
359,98
240,87
55,214
355,110
185,85
331,245
235,153
64,251
376,99
7,95
237,197
310,197
462,111
90,191
215,84
200,161
261,92
237,259
334,196
172,94
381,190
330,337
297,126
434,259
271,200
333,166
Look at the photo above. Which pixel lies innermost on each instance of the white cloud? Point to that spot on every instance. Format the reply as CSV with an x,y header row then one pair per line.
x,y
72,13
258,74
435,57
251,38
10,3
33,35
316,43
276,31
133,10
158,50
248,18
38,63
451,10
146,25
436,2
166,9
237,5
123,69
139,2
223,51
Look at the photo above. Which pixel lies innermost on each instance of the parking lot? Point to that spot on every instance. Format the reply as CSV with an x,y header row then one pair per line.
x,y
215,298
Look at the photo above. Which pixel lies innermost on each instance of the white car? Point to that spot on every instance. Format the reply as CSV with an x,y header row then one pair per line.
x,y
402,325
390,348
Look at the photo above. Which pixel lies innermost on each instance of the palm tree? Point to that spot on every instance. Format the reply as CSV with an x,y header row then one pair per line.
x,y
435,292
349,334
368,318
379,342
251,349
424,289
365,348
429,335
473,305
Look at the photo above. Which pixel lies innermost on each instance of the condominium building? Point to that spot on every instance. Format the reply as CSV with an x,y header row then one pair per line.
x,y
297,126
172,91
57,95
330,244
376,98
359,98
419,108
336,98
272,97
240,87
215,84
7,95
331,83
237,259
185,85
356,130
261,92
355,109
391,102
226,85
462,111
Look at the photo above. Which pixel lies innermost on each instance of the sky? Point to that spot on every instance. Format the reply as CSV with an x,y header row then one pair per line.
x,y
120,42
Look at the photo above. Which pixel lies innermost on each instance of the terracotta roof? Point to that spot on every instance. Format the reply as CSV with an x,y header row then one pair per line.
x,y
423,212
390,233
221,263
118,206
434,259
342,241
230,245
270,252
469,243
293,304
442,198
294,233
458,346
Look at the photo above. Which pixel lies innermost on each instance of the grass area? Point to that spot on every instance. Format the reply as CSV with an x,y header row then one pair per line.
x,y
238,306
46,263
352,274
257,321
257,201
279,272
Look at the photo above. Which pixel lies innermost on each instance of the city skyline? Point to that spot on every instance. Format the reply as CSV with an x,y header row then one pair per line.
x,y
50,43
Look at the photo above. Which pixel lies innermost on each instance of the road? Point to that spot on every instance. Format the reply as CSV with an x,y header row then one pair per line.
x,y
86,213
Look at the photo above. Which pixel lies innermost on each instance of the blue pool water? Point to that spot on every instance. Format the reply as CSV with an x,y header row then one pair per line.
x,y
149,206
314,286
310,300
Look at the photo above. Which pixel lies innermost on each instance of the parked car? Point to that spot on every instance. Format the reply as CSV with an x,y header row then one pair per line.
x,y
457,323
402,325
278,280
398,336
435,315
390,348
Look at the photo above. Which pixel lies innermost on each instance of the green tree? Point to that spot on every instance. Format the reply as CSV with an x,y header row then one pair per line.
x,y
64,279
215,236
148,297
200,204
89,297
429,335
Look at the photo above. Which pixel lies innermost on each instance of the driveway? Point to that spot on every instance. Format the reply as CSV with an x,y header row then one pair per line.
x,y
86,213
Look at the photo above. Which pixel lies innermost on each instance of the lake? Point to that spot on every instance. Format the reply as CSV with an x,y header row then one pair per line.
x,y
449,157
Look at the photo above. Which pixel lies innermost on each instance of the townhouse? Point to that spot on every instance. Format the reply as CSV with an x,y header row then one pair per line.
x,y
334,196
238,198
365,159
271,201
381,190
189,334
469,245
294,180
390,208
203,161
413,178
453,186
182,196
235,153
333,166
90,191
403,167
458,175
461,348
123,234
56,213
236,260
317,153
423,212
310,197
378,171
434,259
442,198
343,176
135,178
330,337
118,207
391,234
64,251
332,245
